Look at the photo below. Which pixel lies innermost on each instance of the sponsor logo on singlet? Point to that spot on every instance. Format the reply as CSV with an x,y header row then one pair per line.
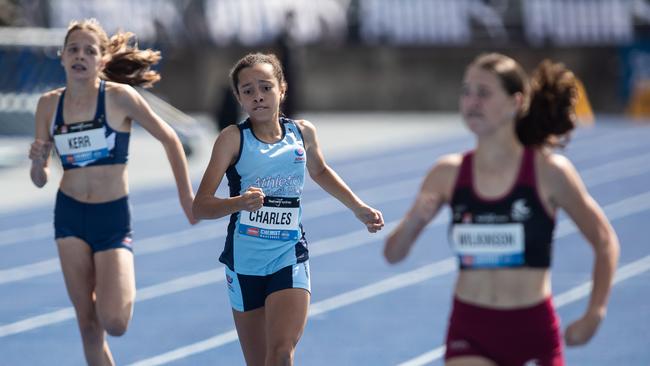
x,y
520,211
300,155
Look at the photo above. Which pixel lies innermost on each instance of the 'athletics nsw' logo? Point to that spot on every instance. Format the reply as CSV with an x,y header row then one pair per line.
x,y
300,155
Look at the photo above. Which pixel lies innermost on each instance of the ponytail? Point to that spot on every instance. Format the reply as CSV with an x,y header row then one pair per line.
x,y
128,64
550,116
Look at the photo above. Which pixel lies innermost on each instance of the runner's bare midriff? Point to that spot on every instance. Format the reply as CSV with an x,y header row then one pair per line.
x,y
503,288
96,184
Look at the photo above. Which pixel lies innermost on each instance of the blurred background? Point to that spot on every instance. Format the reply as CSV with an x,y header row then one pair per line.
x,y
380,79
340,55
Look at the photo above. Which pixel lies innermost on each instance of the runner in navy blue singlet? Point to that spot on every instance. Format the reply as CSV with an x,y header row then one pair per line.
x,y
265,159
504,196
88,123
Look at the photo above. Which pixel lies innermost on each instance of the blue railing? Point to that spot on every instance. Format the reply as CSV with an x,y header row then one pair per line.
x,y
29,70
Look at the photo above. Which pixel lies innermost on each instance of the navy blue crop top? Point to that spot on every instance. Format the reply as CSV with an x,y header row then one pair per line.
x,y
89,143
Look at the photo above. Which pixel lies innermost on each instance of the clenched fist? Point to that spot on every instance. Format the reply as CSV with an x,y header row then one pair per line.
x,y
39,151
252,199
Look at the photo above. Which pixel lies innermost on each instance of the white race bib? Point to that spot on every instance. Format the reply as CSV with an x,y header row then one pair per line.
x,y
489,245
278,219
81,142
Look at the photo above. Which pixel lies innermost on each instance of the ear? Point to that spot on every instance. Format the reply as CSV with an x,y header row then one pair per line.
x,y
518,99
104,60
283,91
238,98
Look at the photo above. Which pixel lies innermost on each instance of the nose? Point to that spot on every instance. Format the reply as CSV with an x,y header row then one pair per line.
x,y
257,97
470,101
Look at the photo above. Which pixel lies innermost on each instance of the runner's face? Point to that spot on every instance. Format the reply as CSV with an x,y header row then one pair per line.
x,y
81,56
484,103
259,91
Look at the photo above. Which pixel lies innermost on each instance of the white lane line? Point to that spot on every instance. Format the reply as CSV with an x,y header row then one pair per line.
x,y
375,289
589,147
215,230
181,284
623,273
425,358
29,270
194,348
146,246
37,321
147,293
574,294
617,170
393,283
620,209
26,233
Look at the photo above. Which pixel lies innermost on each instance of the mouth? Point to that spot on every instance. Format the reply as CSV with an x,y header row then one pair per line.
x,y
473,115
260,108
78,67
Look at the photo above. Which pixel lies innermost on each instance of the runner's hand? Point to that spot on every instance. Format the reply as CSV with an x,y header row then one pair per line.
x,y
39,151
582,330
252,199
371,217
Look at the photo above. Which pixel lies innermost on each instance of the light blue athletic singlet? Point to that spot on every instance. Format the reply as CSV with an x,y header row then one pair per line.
x,y
271,238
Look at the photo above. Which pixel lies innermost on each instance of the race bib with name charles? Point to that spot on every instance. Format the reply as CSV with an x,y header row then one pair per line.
x,y
277,219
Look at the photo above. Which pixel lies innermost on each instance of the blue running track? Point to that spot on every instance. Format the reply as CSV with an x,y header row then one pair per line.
x,y
364,312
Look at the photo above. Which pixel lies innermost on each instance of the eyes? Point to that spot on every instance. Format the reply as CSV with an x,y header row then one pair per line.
x,y
249,90
480,91
88,50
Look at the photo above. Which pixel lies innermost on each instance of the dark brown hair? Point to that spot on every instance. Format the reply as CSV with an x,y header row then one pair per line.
x,y
253,59
547,114
127,63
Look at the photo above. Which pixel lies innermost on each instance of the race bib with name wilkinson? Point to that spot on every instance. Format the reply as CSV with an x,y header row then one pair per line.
x,y
489,245
81,142
278,219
